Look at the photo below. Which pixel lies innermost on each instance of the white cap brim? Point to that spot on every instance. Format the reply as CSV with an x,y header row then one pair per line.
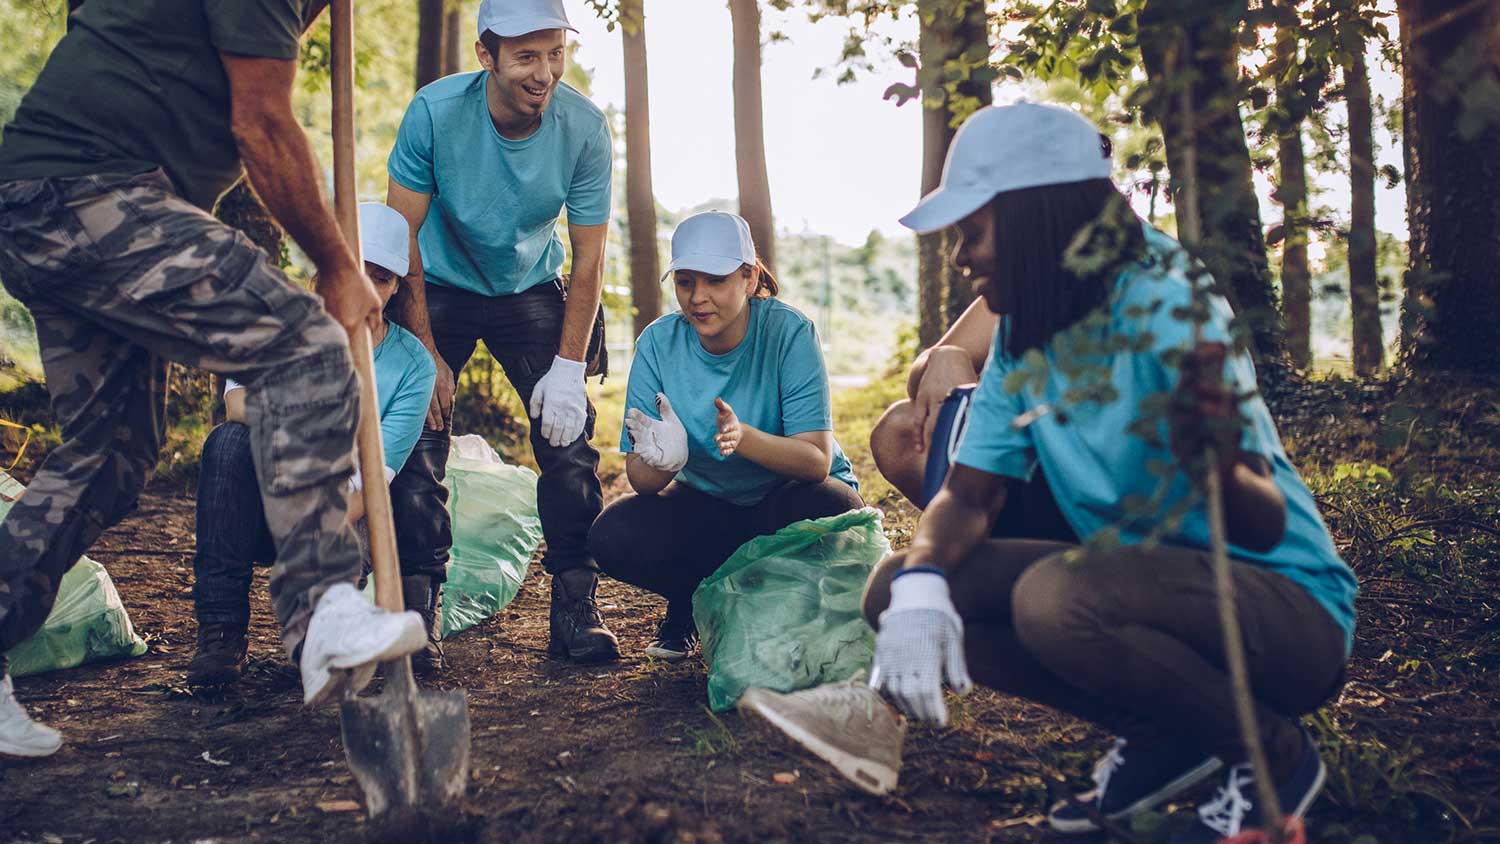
x,y
944,207
711,264
526,26
397,264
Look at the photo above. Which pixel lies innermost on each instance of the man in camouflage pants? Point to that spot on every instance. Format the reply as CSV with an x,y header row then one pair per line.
x,y
105,175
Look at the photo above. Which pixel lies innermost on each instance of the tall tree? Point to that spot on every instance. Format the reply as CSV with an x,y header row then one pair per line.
x,y
640,200
1190,49
1364,283
429,41
1286,124
954,80
455,45
1450,53
749,129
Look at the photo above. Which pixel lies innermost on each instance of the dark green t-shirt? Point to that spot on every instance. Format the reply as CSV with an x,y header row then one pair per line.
x,y
138,84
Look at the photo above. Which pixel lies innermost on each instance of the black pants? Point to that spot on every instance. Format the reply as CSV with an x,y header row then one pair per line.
x,y
1129,638
522,332
669,542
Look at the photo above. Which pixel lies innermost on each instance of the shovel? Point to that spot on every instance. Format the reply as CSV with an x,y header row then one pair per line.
x,y
408,749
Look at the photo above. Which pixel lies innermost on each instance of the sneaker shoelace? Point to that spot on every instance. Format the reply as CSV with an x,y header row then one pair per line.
x,y
852,696
1226,812
1107,766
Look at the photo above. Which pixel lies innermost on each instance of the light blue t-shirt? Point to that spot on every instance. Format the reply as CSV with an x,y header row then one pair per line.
x,y
404,375
774,380
1093,462
492,225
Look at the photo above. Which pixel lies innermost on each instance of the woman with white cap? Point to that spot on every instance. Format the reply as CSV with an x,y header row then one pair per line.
x,y
231,526
1122,630
728,427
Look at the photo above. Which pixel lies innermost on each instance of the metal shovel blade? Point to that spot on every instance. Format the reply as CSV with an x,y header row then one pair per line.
x,y
408,749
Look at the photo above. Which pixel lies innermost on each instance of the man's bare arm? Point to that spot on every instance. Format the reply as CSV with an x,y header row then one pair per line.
x,y
584,289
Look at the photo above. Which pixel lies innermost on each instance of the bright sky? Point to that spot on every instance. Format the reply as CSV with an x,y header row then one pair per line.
x,y
841,160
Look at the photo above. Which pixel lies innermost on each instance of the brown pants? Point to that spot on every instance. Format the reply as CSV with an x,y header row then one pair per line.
x,y
1130,639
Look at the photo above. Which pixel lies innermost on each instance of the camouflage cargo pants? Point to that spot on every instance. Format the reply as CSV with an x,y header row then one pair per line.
x,y
121,276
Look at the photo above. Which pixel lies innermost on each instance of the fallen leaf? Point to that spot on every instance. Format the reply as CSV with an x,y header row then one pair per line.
x,y
784,777
123,789
331,806
212,761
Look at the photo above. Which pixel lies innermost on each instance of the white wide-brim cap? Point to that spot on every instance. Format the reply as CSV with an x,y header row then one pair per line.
x,y
512,18
1005,148
384,237
713,242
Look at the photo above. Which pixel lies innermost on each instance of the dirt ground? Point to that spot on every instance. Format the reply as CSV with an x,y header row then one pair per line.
x,y
629,752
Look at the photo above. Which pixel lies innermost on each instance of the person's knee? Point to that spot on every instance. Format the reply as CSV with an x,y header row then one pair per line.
x,y
610,536
890,440
226,447
878,587
1054,605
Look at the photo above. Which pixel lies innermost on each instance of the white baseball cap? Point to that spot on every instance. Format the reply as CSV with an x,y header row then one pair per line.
x,y
510,18
1004,148
384,237
714,242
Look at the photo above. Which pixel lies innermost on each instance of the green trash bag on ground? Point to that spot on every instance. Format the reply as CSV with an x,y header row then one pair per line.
x,y
496,531
784,611
88,622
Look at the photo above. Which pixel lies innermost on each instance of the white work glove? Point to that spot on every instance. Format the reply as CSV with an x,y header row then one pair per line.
x,y
921,642
661,444
560,402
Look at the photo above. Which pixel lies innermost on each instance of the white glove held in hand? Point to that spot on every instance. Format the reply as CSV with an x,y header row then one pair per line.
x,y
661,444
560,402
921,641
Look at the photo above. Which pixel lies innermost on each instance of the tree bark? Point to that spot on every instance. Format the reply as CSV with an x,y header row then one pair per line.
x,y
1451,52
1364,282
1296,278
640,200
953,33
429,41
1193,43
455,46
749,129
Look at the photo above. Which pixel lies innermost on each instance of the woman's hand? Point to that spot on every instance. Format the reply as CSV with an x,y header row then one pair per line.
x,y
948,367
730,433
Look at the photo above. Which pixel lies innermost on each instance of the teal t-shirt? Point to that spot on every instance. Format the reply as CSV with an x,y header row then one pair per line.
x,y
1093,462
492,225
774,379
404,375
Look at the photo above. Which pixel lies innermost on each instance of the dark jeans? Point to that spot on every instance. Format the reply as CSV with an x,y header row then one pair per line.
x,y
522,332
1130,639
669,542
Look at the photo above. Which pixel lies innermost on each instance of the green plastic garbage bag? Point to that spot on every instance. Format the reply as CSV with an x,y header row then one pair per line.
x,y
88,622
784,611
496,531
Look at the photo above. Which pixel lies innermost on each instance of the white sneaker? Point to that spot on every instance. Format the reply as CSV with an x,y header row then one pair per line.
x,y
848,725
19,735
347,637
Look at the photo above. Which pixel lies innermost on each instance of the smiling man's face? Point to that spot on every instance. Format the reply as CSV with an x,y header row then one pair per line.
x,y
523,73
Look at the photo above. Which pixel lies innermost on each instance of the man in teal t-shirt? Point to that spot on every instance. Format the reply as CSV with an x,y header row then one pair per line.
x,y
483,165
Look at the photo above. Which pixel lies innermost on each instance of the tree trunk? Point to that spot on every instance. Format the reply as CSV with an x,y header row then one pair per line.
x,y
749,129
429,41
953,34
455,46
1296,278
1193,43
1451,52
1364,283
640,200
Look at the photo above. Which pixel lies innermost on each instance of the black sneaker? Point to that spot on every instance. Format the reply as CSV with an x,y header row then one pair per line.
x,y
221,655
676,636
577,631
1234,808
1128,780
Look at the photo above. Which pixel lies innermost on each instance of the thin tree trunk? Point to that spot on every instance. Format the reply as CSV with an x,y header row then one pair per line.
x,y
1451,48
455,45
1233,244
429,41
640,200
749,129
1296,278
1364,284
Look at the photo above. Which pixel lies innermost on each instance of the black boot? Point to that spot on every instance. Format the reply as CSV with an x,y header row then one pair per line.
x,y
425,598
221,655
578,631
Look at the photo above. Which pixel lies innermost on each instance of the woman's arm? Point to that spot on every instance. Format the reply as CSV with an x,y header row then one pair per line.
x,y
234,405
644,478
805,457
957,520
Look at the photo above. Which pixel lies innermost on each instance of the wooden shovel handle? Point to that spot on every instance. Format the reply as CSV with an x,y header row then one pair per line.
x,y
346,209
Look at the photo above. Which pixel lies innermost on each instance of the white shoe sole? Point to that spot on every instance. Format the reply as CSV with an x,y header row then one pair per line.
x,y
665,655
350,673
870,776
7,749
1187,780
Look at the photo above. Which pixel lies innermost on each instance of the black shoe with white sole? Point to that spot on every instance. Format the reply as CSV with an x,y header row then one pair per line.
x,y
1132,779
1233,809
676,636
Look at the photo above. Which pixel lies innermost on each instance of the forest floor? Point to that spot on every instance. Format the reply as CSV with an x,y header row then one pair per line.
x,y
1408,476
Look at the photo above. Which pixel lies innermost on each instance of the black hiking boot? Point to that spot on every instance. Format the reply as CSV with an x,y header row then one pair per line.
x,y
425,598
577,630
676,636
221,655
